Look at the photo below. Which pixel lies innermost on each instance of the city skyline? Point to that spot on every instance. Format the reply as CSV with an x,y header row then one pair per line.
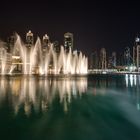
x,y
101,24
97,60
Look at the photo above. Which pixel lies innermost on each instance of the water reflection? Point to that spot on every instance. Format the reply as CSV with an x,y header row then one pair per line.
x,y
38,93
132,80
96,107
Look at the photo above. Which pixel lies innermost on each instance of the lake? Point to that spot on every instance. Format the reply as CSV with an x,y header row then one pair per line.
x,y
93,107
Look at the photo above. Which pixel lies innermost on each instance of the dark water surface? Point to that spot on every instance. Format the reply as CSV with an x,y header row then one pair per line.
x,y
96,107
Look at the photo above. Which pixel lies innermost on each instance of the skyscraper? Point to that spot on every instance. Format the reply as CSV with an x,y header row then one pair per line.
x,y
114,59
127,57
45,41
103,62
136,53
93,60
29,39
5,57
68,41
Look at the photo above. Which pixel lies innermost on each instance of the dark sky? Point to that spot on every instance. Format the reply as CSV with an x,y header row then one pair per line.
x,y
95,24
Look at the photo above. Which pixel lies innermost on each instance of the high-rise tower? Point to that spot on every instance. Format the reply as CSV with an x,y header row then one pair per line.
x,y
103,62
29,39
93,60
136,53
46,40
68,41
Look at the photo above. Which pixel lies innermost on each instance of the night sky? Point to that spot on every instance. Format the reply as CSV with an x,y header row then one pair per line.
x,y
112,25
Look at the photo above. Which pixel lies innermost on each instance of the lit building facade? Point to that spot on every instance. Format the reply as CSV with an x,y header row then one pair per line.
x,y
136,53
5,58
45,43
68,41
29,39
112,60
103,62
45,40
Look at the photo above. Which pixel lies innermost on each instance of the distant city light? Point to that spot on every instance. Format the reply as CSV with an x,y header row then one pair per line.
x,y
137,39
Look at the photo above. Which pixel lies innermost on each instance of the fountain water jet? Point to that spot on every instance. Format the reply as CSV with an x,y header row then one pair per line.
x,y
34,61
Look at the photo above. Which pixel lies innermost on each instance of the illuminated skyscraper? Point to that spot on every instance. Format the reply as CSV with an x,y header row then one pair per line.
x,y
46,40
45,43
136,53
127,57
5,57
68,41
29,39
114,59
103,62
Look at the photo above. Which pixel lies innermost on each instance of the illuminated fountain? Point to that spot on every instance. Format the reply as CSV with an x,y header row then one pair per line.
x,y
3,59
28,56
34,61
3,62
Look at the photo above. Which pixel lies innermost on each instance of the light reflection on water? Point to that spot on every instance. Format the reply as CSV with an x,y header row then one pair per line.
x,y
38,92
99,107
132,80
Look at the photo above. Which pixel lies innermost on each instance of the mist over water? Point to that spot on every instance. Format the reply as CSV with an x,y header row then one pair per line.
x,y
98,107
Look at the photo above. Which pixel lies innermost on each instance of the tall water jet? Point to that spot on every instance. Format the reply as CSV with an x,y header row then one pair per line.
x,y
20,52
3,62
35,56
33,60
4,59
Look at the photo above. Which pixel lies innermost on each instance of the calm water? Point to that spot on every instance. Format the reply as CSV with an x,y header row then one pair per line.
x,y
96,107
